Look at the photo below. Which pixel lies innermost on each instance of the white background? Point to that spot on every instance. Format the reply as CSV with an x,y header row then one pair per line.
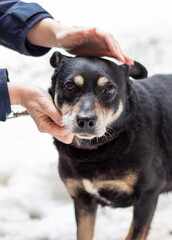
x,y
34,204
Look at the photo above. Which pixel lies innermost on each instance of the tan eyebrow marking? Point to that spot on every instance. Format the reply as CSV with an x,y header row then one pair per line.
x,y
79,80
102,81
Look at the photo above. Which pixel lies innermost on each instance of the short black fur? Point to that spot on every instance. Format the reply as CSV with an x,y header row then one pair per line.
x,y
140,144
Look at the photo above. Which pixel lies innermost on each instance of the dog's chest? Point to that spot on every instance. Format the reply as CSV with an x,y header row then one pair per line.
x,y
107,192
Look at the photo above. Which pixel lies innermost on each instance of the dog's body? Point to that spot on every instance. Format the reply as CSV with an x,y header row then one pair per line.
x,y
131,165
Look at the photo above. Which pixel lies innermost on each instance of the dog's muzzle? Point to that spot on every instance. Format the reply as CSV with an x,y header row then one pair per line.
x,y
86,125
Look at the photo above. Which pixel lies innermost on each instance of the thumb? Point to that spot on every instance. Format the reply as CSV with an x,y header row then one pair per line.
x,y
54,113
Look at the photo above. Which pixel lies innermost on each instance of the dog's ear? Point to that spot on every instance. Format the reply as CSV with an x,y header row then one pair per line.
x,y
136,71
55,59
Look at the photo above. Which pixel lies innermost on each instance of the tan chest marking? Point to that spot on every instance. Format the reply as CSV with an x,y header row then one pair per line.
x,y
93,190
123,185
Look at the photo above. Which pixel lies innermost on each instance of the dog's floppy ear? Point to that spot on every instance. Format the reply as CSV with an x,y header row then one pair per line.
x,y
55,59
136,71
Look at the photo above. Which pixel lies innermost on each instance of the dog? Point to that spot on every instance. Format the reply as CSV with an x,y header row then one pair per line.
x,y
121,153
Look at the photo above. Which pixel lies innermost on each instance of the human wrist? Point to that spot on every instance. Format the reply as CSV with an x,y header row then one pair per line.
x,y
45,33
55,29
15,93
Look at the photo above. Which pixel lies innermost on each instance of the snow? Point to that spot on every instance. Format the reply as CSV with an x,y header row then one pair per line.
x,y
34,204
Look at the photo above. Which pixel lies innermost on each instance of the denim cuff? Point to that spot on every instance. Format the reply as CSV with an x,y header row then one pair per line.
x,y
29,14
5,106
26,47
16,21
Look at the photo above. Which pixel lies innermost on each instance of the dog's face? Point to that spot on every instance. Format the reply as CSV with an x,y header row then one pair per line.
x,y
90,92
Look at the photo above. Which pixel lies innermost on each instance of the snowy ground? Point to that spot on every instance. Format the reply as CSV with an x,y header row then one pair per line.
x,y
34,204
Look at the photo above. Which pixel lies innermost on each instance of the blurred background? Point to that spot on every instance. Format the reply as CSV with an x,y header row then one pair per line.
x,y
34,204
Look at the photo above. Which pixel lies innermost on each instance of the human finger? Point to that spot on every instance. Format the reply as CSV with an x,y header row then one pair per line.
x,y
46,125
65,139
52,112
129,61
112,44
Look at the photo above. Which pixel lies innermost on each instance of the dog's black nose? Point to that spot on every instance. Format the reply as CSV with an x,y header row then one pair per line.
x,y
85,122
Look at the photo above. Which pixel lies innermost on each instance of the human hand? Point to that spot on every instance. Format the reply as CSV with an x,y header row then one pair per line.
x,y
84,41
41,108
81,41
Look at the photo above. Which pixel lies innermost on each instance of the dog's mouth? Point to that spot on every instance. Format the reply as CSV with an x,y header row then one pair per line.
x,y
85,136
85,129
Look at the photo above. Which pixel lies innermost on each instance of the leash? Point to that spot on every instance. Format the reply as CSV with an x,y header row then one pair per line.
x,y
16,114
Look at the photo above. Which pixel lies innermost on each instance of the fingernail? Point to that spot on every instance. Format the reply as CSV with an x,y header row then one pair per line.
x,y
61,124
59,120
130,62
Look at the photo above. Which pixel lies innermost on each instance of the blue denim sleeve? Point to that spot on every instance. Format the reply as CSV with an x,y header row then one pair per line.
x,y
4,95
16,19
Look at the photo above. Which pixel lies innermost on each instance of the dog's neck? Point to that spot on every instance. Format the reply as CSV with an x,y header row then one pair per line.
x,y
96,142
115,132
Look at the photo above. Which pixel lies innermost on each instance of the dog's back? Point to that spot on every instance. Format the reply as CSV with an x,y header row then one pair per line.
x,y
154,96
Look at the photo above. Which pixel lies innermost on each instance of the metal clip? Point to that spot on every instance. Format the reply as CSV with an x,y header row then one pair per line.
x,y
14,114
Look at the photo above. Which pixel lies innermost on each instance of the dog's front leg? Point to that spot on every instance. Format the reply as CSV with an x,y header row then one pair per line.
x,y
142,215
85,212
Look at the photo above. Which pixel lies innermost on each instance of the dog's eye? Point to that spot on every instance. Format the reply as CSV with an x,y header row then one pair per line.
x,y
109,90
70,86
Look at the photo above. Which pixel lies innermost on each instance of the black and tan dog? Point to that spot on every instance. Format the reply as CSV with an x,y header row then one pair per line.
x,y
122,151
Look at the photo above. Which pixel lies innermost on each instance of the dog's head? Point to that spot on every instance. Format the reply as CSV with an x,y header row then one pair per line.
x,y
91,92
